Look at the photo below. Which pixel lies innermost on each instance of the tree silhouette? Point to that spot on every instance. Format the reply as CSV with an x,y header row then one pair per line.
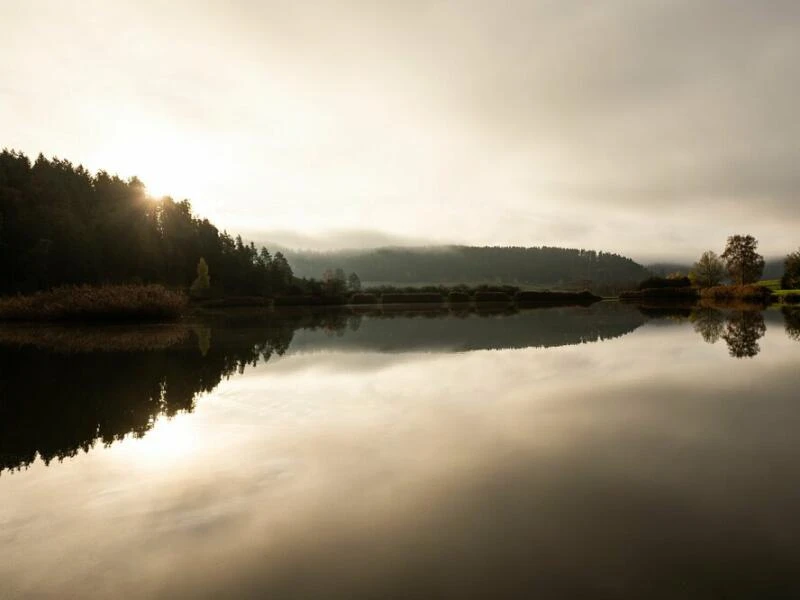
x,y
334,281
353,282
61,225
281,272
791,275
742,332
708,271
744,264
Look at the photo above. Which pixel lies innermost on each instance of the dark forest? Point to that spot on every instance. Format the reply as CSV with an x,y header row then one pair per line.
x,y
61,225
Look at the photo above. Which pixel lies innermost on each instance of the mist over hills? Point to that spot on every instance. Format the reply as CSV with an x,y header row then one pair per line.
x,y
534,266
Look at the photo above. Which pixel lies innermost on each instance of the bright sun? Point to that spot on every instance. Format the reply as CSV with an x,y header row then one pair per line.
x,y
168,162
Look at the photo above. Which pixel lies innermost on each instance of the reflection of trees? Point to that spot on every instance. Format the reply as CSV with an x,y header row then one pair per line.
x,y
470,329
63,390
55,403
791,317
742,332
709,323
354,322
677,313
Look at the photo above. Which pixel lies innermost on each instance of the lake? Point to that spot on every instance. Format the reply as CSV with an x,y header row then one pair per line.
x,y
602,452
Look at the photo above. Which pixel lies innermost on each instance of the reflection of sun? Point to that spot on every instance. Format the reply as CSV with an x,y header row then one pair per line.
x,y
168,441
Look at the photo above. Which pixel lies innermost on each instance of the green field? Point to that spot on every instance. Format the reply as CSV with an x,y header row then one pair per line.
x,y
775,286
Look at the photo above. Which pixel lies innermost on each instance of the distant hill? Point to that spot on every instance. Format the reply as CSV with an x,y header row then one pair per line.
x,y
537,266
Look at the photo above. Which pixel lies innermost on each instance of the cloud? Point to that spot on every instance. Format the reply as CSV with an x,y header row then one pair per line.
x,y
335,239
613,125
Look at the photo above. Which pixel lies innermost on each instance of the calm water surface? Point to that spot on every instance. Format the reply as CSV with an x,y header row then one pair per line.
x,y
608,452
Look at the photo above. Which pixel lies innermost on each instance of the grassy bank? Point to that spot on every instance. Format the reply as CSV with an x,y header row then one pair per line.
x,y
786,296
104,303
762,293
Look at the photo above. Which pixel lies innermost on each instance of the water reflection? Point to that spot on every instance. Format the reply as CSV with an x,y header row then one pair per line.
x,y
741,329
709,323
742,332
54,405
791,316
63,390
641,467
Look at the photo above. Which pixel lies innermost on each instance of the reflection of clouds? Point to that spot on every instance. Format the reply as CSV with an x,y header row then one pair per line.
x,y
452,474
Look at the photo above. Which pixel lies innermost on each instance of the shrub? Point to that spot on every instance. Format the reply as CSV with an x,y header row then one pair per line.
x,y
793,298
309,300
584,297
105,303
679,292
661,282
417,298
492,297
506,289
363,299
458,297
237,301
748,293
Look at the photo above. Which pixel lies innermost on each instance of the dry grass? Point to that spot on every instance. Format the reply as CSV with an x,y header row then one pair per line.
x,y
73,339
738,293
105,303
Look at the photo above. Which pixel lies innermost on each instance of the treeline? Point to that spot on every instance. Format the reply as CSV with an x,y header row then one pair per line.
x,y
541,266
773,268
61,225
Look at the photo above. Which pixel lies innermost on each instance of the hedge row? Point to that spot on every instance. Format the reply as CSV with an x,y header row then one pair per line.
x,y
412,298
584,297
749,293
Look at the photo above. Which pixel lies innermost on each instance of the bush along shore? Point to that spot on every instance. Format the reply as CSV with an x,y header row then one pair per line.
x,y
755,294
145,303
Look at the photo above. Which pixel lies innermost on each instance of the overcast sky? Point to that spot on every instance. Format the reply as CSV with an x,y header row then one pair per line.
x,y
652,128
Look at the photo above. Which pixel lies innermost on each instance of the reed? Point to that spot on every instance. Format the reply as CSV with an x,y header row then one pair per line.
x,y
103,303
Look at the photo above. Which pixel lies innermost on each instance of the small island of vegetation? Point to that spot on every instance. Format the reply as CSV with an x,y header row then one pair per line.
x,y
734,276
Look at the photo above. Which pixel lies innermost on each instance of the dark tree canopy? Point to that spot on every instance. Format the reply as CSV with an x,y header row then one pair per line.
x,y
744,264
61,225
708,271
791,274
353,282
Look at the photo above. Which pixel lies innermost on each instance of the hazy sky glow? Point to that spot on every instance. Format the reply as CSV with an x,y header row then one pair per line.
x,y
650,128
